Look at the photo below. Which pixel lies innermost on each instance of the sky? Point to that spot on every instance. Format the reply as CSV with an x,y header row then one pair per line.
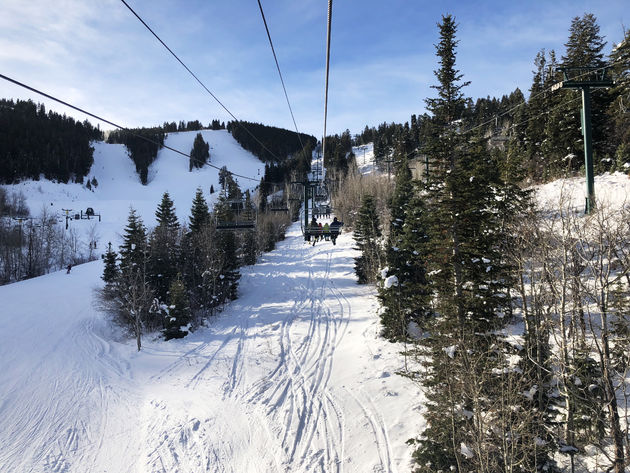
x,y
96,55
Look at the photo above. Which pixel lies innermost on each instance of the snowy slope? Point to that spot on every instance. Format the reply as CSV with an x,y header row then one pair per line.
x,y
291,377
364,156
119,186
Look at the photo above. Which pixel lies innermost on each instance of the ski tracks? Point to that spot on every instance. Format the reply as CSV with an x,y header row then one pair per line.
x,y
267,380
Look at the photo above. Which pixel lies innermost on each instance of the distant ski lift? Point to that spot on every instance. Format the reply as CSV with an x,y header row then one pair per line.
x,y
321,192
237,215
278,204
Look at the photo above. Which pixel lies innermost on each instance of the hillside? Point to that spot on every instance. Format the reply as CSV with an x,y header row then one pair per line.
x,y
119,186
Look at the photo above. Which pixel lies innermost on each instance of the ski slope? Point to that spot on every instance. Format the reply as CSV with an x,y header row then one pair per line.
x,y
291,377
119,186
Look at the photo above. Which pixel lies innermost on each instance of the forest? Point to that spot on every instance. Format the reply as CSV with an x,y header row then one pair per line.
x,y
514,315
35,143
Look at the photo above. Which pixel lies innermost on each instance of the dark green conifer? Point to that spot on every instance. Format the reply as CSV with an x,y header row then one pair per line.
x,y
110,272
200,214
178,316
199,154
367,235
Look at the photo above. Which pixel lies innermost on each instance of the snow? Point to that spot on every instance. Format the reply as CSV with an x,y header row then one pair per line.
x,y
466,451
119,186
292,376
610,189
364,156
390,282
450,351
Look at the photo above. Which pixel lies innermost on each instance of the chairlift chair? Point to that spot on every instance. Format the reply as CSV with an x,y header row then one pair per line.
x,y
241,217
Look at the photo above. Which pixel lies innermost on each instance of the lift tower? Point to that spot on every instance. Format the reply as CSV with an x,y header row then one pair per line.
x,y
585,79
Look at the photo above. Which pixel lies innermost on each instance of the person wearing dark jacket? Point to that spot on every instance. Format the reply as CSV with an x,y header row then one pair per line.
x,y
335,229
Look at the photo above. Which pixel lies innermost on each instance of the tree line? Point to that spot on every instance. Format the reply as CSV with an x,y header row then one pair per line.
x,y
540,134
270,144
514,317
34,143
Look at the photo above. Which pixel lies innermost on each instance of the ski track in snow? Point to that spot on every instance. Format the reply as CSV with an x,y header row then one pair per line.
x,y
285,379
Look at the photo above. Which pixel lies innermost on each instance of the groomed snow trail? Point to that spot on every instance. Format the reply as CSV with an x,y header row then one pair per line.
x,y
291,377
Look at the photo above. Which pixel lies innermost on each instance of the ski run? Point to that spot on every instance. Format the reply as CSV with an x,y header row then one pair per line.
x,y
292,376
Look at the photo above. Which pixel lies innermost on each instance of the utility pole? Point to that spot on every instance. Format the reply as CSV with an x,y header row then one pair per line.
x,y
595,78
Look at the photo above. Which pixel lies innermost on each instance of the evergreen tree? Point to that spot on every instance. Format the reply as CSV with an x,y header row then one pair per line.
x,y
229,274
584,48
250,248
468,277
110,272
367,235
164,251
133,249
393,319
200,213
165,213
178,315
619,131
199,154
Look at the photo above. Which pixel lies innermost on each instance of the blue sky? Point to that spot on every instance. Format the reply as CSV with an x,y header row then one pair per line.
x,y
96,55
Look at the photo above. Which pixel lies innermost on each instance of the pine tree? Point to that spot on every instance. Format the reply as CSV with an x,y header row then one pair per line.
x,y
178,316
200,214
392,318
584,48
619,131
165,213
164,250
133,249
200,153
468,279
110,272
367,235
229,273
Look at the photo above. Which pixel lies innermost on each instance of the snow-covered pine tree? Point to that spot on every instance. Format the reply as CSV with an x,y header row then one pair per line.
x,y
178,316
367,235
110,271
618,110
393,319
469,278
133,251
164,249
199,213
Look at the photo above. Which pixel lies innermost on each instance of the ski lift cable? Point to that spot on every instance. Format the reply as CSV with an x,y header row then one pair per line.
x,y
109,122
237,121
262,13
329,22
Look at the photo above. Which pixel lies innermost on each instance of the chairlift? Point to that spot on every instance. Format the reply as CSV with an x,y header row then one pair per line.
x,y
278,205
239,216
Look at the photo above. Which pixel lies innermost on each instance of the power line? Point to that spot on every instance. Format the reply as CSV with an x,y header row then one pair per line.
x,y
237,121
109,122
327,73
279,73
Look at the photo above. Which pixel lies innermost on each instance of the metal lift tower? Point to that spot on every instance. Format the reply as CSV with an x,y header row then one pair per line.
x,y
585,79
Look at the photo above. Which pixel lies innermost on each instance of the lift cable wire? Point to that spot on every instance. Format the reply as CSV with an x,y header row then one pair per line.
x,y
538,94
262,13
327,73
109,122
237,122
